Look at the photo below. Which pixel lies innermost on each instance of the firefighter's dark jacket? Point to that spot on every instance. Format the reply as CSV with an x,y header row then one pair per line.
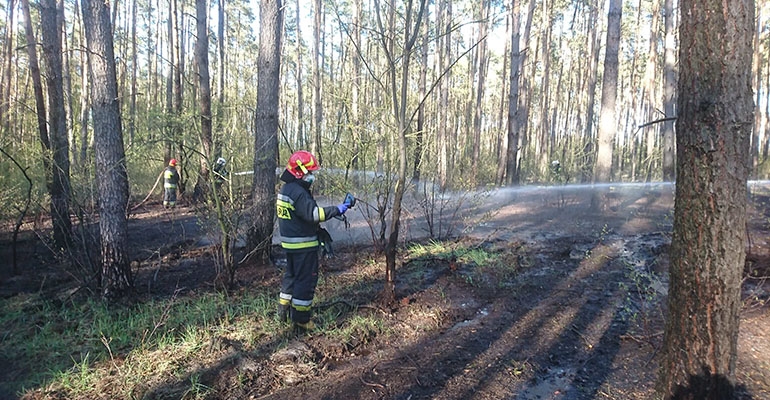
x,y
299,216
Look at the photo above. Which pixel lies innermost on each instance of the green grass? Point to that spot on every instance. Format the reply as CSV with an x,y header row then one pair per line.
x,y
478,263
70,346
88,349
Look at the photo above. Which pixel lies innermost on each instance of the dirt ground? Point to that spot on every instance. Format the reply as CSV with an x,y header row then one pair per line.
x,y
577,313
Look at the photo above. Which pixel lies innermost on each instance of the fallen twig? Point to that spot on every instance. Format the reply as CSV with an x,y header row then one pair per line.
x,y
377,385
585,339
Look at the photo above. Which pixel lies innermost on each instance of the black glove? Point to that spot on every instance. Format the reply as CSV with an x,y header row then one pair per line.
x,y
326,242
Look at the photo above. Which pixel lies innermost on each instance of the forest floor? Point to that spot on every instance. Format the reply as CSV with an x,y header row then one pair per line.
x,y
572,310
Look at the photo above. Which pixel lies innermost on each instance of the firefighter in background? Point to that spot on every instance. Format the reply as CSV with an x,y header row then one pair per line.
x,y
299,219
170,182
220,172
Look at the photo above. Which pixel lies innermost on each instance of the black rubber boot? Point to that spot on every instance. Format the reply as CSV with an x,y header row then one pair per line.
x,y
284,313
303,328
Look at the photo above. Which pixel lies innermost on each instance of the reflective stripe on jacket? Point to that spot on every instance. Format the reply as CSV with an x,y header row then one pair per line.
x,y
170,178
299,215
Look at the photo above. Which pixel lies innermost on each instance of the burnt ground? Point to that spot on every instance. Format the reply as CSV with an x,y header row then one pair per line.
x,y
576,311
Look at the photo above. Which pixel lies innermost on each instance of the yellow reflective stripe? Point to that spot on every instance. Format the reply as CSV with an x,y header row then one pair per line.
x,y
302,166
319,215
284,204
301,305
169,186
303,245
298,239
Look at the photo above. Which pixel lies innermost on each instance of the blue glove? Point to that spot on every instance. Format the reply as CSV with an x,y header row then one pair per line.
x,y
342,208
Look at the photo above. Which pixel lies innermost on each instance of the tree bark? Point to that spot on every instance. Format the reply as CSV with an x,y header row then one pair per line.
x,y
169,106
480,83
57,123
669,92
51,145
134,64
444,21
708,244
419,142
204,100
266,126
5,88
315,146
607,120
111,173
593,55
301,139
512,169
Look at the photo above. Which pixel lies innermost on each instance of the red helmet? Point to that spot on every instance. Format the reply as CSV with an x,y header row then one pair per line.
x,y
301,163
172,162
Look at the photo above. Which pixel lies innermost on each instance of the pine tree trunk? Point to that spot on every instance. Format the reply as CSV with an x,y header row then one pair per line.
x,y
669,92
57,123
708,243
204,100
512,169
134,64
266,126
5,87
607,116
111,174
315,146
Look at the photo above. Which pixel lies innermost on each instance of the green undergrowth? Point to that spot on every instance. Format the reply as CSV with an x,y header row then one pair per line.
x,y
69,347
83,349
479,264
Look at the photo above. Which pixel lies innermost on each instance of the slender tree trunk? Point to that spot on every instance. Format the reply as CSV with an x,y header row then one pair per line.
x,y
419,144
57,123
5,88
593,54
669,93
356,90
445,54
524,96
170,130
607,120
301,139
221,40
67,85
85,103
204,101
650,90
266,126
757,64
708,252
541,131
512,169
398,83
57,176
134,65
501,147
480,82
317,105
177,40
111,176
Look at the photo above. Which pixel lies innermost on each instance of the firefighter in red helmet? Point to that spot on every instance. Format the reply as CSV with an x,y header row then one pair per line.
x,y
170,181
299,219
